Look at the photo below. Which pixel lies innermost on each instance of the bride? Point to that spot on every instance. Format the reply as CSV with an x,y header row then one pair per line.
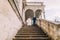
x,y
29,21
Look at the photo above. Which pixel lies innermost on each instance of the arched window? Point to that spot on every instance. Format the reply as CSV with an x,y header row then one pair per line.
x,y
29,14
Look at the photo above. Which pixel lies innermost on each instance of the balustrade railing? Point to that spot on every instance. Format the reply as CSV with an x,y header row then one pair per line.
x,y
51,28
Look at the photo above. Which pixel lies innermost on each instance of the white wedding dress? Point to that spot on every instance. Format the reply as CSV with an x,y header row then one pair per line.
x,y
29,21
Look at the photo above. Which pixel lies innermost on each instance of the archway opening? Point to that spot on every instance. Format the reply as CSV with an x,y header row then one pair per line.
x,y
38,13
29,14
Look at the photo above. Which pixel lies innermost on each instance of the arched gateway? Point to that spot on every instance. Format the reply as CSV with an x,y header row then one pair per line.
x,y
29,14
31,9
38,12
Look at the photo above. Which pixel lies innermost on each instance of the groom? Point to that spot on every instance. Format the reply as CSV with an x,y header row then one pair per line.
x,y
34,20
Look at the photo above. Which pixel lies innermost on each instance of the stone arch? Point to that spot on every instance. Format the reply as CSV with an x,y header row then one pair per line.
x,y
29,14
38,12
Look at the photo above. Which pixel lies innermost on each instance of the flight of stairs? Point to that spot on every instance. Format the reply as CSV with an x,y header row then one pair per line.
x,y
31,33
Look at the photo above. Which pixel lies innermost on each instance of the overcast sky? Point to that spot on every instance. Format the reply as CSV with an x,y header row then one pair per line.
x,y
52,8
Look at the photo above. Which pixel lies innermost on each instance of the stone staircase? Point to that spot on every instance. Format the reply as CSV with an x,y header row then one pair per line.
x,y
31,33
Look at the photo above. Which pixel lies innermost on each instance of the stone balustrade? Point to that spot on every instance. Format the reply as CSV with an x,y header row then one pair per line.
x,y
51,28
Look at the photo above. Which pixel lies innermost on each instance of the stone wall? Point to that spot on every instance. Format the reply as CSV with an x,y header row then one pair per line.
x,y
51,28
9,23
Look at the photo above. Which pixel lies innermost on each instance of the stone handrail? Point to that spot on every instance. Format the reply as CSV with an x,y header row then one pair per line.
x,y
51,28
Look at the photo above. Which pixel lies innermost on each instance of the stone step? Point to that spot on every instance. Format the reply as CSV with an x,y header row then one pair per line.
x,y
31,33
31,28
31,39
31,36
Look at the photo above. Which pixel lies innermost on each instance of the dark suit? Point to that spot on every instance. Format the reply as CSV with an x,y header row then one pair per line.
x,y
34,20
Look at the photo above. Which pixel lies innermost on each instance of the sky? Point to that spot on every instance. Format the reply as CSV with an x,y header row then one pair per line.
x,y
52,8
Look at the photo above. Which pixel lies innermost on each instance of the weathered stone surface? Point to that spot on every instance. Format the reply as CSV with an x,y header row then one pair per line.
x,y
9,23
31,33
